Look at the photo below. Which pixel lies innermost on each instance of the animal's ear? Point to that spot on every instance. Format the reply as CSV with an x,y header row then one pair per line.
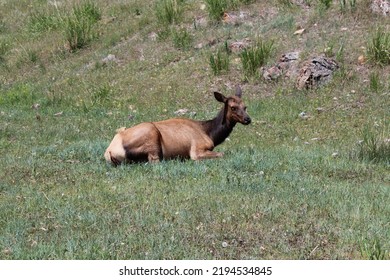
x,y
238,91
220,97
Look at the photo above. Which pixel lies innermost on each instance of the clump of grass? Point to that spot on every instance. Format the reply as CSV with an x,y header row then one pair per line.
x,y
378,48
168,12
216,9
256,56
326,3
40,21
374,147
219,62
344,5
372,250
182,39
375,83
101,94
78,25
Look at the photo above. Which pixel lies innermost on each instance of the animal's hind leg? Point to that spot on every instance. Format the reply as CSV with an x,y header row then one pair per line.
x,y
155,151
115,153
153,158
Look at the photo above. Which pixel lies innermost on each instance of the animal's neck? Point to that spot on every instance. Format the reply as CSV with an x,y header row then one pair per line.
x,y
217,131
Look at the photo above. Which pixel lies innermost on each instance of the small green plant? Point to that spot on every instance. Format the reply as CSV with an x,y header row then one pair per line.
x,y
285,3
219,62
40,21
326,3
168,12
344,5
89,11
378,48
182,39
372,250
216,9
375,84
101,94
256,56
373,147
78,25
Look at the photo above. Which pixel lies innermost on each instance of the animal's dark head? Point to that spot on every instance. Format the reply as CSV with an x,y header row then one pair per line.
x,y
235,109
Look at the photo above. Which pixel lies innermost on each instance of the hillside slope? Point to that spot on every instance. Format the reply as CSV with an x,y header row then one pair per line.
x,y
308,179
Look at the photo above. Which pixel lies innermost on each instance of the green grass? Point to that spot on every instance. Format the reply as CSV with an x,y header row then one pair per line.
x,y
287,188
219,62
256,56
378,48
168,11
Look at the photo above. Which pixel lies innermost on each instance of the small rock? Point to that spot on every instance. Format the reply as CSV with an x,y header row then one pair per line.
x,y
36,106
303,115
316,72
225,244
361,59
272,73
320,110
238,46
299,31
335,154
153,36
181,112
381,7
109,58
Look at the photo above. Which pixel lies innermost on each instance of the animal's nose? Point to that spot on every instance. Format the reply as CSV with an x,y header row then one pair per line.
x,y
247,120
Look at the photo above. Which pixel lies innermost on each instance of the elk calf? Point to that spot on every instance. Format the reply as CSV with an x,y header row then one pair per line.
x,y
178,138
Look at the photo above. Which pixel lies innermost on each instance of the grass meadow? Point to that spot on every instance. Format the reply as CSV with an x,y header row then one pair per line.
x,y
290,185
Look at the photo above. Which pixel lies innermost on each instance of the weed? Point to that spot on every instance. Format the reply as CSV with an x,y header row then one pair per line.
x,y
78,25
88,10
378,48
101,94
374,147
182,39
344,5
326,3
219,62
216,9
375,83
40,21
168,12
285,3
256,56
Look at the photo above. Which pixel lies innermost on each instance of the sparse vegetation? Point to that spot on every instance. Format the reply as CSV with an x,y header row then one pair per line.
x,y
182,39
254,57
217,8
168,11
374,147
79,25
219,62
378,48
307,179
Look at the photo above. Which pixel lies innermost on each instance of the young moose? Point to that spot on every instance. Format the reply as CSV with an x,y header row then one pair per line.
x,y
178,138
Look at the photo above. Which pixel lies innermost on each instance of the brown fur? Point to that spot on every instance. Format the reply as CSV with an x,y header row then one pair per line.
x,y
178,138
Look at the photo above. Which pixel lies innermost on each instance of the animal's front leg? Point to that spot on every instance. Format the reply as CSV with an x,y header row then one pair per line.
x,y
205,154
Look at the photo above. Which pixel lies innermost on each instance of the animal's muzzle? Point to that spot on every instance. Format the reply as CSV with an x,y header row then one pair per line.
x,y
247,120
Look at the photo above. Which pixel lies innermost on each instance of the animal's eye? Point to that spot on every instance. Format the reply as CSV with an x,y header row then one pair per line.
x,y
234,109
